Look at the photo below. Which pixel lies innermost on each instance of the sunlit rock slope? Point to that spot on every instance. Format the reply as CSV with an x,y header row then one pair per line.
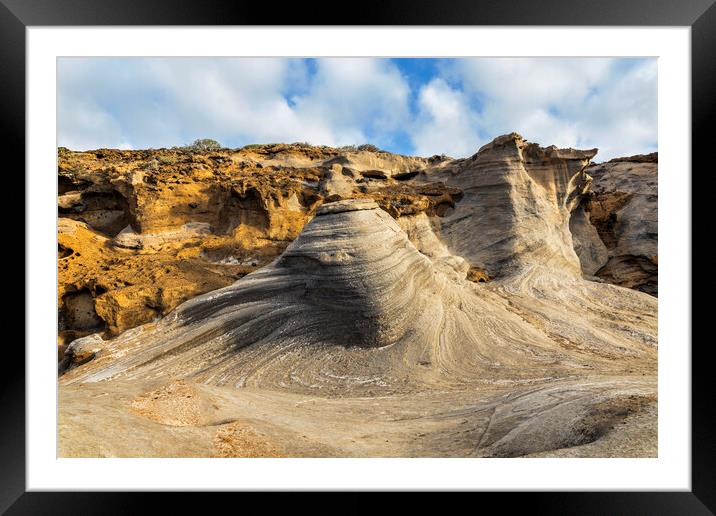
x,y
438,308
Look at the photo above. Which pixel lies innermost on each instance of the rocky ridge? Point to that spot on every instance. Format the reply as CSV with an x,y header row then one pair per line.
x,y
142,231
159,227
455,294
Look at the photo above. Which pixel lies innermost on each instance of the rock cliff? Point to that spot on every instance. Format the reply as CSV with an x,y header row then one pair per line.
x,y
159,227
306,301
142,231
622,210
516,205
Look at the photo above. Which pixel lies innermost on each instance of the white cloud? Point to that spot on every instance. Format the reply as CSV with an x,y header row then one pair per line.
x,y
84,125
445,123
168,101
622,118
529,82
159,102
360,100
569,102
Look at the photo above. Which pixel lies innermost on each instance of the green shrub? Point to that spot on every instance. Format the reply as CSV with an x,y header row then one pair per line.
x,y
368,147
152,164
167,160
204,144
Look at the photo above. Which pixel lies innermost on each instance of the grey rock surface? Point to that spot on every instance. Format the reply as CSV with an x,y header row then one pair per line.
x,y
623,208
358,342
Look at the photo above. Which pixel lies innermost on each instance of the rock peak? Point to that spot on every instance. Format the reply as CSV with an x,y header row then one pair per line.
x,y
516,142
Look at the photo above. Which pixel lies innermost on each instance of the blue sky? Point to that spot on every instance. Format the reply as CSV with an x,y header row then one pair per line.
x,y
410,106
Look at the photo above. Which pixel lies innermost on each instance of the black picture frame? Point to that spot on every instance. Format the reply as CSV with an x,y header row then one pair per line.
x,y
700,15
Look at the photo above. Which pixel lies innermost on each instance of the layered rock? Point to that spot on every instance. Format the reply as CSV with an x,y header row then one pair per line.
x,y
622,209
211,217
108,288
351,279
307,301
516,205
159,227
352,309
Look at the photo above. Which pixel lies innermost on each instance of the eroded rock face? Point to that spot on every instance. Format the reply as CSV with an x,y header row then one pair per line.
x,y
352,309
109,288
515,210
304,301
622,209
163,226
588,245
142,231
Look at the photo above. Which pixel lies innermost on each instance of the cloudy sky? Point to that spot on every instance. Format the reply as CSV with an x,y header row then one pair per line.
x,y
411,106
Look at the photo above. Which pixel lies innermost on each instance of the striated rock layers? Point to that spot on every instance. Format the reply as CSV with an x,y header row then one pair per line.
x,y
365,337
142,231
622,244
516,207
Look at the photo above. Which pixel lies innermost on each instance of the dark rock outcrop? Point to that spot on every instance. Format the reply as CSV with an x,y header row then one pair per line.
x,y
622,207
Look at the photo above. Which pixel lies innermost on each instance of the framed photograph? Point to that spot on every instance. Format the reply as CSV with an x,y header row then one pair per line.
x,y
419,251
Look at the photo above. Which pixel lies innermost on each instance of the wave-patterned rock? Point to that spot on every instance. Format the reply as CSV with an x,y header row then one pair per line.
x,y
142,231
515,210
171,223
357,342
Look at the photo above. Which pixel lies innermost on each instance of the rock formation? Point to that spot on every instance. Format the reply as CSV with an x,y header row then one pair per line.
x,y
109,288
622,209
392,306
142,231
516,206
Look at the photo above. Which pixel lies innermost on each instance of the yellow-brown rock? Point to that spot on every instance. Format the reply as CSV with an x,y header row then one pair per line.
x,y
142,231
106,288
411,307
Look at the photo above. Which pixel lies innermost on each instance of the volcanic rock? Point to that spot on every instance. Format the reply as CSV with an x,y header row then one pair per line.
x,y
292,301
516,204
351,309
622,207
158,227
